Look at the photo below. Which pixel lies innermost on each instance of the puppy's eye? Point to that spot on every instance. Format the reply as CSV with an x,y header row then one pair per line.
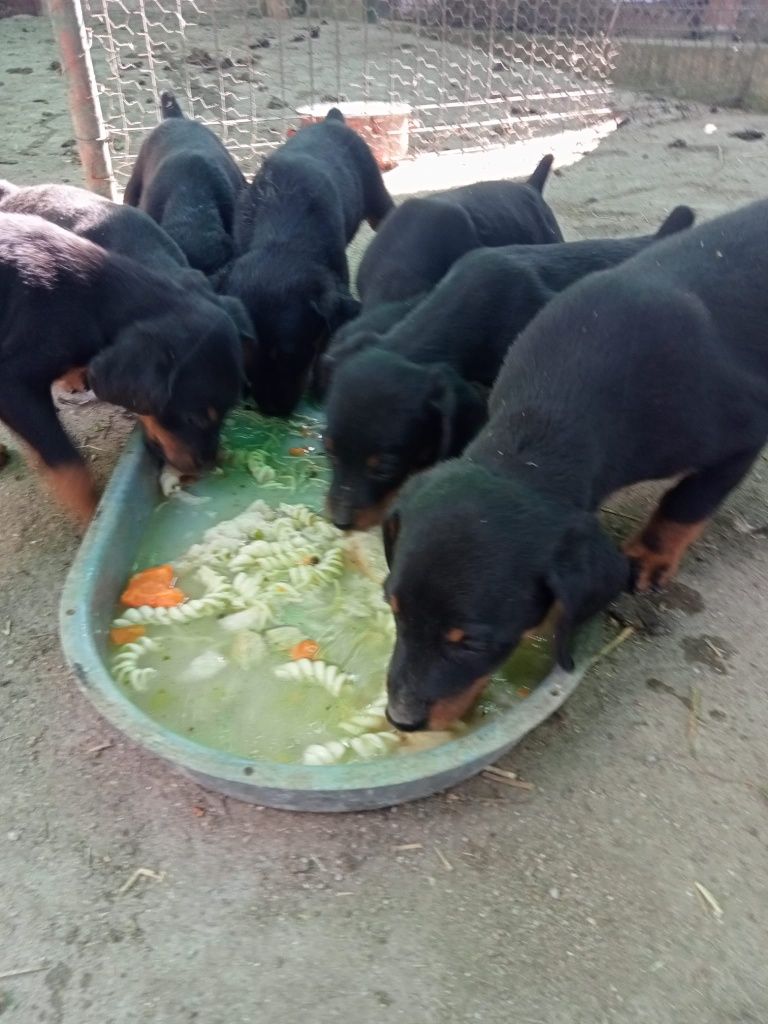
x,y
201,421
460,642
381,467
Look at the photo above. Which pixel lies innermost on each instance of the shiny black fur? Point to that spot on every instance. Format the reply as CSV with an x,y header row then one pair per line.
x,y
651,370
146,343
187,181
293,226
421,239
119,229
408,401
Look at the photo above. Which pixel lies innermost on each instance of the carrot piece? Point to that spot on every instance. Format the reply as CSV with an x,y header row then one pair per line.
x,y
160,573
305,649
153,587
126,634
523,691
156,595
298,451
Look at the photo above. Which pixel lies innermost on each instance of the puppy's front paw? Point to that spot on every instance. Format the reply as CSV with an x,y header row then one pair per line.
x,y
656,552
651,570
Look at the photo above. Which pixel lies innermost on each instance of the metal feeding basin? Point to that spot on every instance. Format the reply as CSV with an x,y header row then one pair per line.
x,y
105,560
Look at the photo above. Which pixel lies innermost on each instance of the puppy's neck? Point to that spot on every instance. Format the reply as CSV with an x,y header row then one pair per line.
x,y
471,412
548,455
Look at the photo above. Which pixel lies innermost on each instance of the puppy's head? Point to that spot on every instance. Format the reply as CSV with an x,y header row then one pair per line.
x,y
180,373
294,315
386,418
475,561
351,338
208,248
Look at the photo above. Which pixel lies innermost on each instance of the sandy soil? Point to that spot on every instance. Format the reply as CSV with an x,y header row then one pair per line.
x,y
574,902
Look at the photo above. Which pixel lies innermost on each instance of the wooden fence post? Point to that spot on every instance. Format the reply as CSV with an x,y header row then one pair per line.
x,y
90,132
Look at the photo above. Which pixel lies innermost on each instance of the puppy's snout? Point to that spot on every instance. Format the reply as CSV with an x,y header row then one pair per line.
x,y
340,510
407,726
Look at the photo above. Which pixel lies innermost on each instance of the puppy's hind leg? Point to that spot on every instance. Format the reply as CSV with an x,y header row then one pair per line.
x,y
681,518
31,414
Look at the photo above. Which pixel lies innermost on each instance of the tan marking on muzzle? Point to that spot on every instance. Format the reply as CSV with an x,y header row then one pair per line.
x,y
373,515
74,379
445,712
175,452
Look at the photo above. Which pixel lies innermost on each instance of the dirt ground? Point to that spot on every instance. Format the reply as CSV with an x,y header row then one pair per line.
x,y
576,901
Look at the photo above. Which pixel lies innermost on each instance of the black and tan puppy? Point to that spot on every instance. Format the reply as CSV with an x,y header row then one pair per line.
x,y
421,239
413,399
653,370
293,227
119,229
141,340
186,180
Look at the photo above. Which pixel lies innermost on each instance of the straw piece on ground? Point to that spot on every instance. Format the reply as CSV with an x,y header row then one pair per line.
x,y
611,646
709,900
100,747
694,713
502,773
19,972
443,859
513,783
156,876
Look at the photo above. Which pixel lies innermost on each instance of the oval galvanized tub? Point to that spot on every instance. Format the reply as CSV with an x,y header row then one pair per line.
x,y
90,594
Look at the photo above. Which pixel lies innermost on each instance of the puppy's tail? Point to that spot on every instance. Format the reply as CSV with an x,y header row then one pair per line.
x,y
678,220
7,188
334,114
539,177
169,105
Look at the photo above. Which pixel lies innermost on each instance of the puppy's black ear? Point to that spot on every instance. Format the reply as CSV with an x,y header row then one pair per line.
x,y
342,347
390,529
219,279
195,281
237,313
444,401
135,372
336,306
7,189
588,571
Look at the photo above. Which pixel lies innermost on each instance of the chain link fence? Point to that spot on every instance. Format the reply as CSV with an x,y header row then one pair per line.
x,y
715,51
473,72
694,21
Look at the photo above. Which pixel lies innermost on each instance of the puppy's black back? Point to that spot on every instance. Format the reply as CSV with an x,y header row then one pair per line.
x,y
187,181
490,295
323,172
506,213
414,248
117,228
667,352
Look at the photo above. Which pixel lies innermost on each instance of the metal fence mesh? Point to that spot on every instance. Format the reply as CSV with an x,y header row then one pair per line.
x,y
474,72
713,51
694,21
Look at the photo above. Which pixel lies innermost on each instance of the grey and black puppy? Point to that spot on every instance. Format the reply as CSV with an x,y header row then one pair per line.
x,y
122,230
